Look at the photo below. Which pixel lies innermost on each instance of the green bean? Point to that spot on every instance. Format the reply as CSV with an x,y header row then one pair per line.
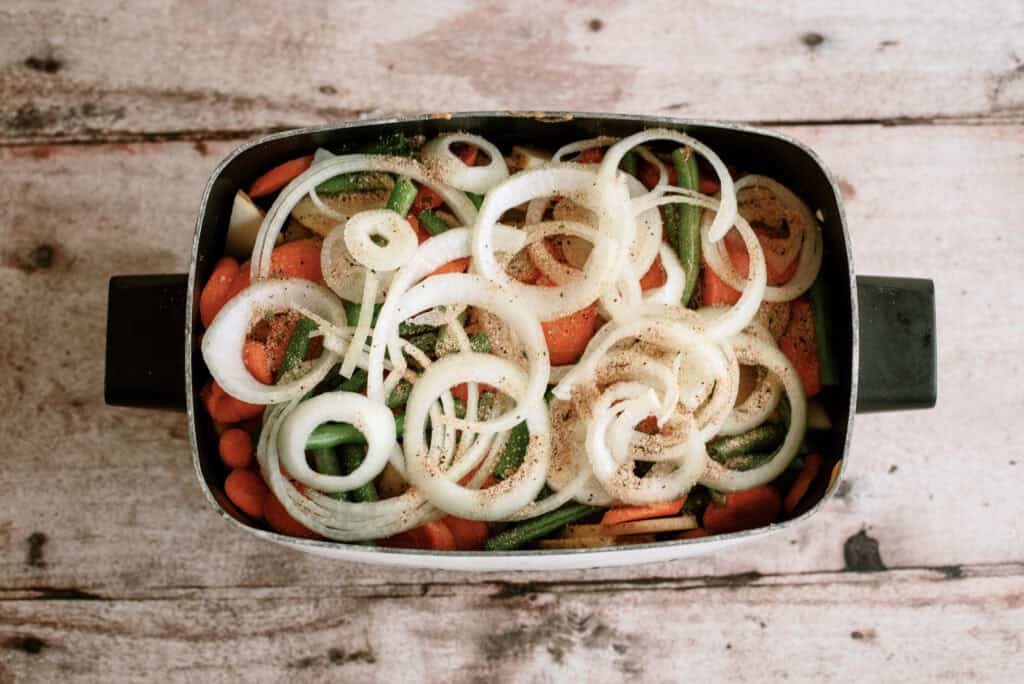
x,y
745,451
333,434
400,395
687,221
480,342
402,196
629,163
406,329
476,199
353,309
395,144
535,528
515,450
352,182
352,456
819,314
696,500
326,462
297,348
426,343
432,223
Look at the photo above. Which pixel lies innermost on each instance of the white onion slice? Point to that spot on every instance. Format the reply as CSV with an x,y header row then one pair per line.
x,y
504,498
479,179
372,419
223,342
362,330
754,352
401,240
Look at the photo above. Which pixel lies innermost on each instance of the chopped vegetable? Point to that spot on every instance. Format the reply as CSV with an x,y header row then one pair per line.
x,y
431,222
235,448
333,434
799,346
687,221
243,226
218,290
352,456
279,176
541,526
515,450
298,346
246,490
617,516
402,196
797,491
747,510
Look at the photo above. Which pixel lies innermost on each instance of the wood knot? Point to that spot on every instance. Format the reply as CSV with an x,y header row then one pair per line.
x,y
328,90
861,554
36,542
812,39
46,64
27,644
42,256
595,25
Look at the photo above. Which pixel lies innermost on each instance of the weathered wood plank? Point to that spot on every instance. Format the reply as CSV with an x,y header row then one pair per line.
x,y
108,70
805,628
102,499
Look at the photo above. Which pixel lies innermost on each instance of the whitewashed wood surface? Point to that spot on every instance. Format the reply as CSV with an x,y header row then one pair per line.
x,y
112,566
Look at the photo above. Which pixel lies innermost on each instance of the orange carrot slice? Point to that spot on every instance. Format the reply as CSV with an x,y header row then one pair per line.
x,y
280,520
224,408
297,259
279,176
655,276
257,361
694,533
218,289
616,516
797,491
800,347
235,448
247,491
454,266
745,510
469,535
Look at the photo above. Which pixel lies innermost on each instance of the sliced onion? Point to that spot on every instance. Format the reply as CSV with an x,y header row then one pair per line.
x,y
401,240
579,183
362,330
372,419
479,179
223,342
755,352
329,168
726,215
504,498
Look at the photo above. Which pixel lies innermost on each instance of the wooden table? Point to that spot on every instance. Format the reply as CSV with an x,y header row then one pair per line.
x,y
113,567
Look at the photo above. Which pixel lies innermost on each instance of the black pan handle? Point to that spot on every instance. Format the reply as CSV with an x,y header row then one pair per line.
x,y
146,341
897,344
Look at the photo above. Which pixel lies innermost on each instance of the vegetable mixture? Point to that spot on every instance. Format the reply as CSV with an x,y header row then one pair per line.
x,y
438,345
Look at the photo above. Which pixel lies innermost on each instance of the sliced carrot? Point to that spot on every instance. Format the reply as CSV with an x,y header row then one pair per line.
x,y
714,290
655,276
425,199
592,155
709,185
235,448
282,327
224,408
469,535
279,176
280,520
780,267
649,175
648,425
615,516
454,266
433,536
242,280
461,391
257,361
694,533
467,153
799,346
297,259
797,491
246,489
217,291
568,336
745,510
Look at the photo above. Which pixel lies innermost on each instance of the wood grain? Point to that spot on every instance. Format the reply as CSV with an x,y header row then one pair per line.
x,y
910,626
102,500
110,70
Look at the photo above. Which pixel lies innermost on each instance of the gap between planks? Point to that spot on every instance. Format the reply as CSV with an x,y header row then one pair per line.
x,y
506,588
227,134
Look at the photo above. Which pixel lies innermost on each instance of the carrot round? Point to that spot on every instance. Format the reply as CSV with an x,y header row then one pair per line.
x,y
655,276
800,347
241,281
425,199
467,153
235,448
568,336
247,491
224,408
797,491
469,535
694,533
454,266
745,510
280,520
279,176
615,516
297,259
217,291
433,536
257,361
